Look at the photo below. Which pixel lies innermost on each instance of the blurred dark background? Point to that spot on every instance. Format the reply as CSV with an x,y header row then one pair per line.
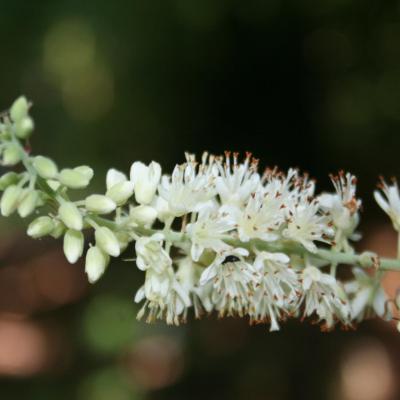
x,y
313,84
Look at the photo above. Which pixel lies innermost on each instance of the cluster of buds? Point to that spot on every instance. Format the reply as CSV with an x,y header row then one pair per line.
x,y
214,236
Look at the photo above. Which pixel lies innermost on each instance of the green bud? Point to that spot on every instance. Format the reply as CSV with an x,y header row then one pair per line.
x,y
39,227
107,241
143,215
19,109
11,155
96,263
28,203
71,216
120,192
8,179
45,167
73,245
99,204
85,171
58,230
10,200
123,239
24,127
73,179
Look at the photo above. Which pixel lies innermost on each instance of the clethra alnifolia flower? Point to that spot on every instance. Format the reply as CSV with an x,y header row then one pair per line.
x,y
215,235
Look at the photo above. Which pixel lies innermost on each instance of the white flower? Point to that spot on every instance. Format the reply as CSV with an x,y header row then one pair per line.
x,y
306,225
190,188
324,297
233,281
114,177
119,189
236,181
145,180
188,275
367,297
342,207
259,219
207,231
390,204
165,298
278,290
150,253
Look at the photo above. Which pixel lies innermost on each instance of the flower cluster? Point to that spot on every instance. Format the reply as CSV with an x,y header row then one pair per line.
x,y
229,239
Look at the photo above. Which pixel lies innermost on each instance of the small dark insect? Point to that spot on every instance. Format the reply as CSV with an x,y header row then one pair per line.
x,y
230,259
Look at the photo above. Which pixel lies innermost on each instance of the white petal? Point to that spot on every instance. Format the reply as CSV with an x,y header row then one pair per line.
x,y
113,177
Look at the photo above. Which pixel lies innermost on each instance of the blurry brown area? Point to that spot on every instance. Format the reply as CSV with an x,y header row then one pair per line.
x,y
33,282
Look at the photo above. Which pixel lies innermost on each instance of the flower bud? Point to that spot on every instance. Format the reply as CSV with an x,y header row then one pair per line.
x,y
162,208
45,167
99,204
96,263
143,215
11,154
113,177
145,180
123,239
107,241
71,216
73,245
58,230
10,200
73,178
120,192
8,179
19,109
28,203
86,171
39,227
24,127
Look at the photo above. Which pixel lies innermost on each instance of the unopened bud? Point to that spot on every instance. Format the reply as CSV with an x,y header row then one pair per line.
x,y
28,203
120,192
71,216
86,171
58,230
162,207
107,241
96,263
143,215
8,179
99,204
73,245
113,177
19,109
73,178
123,239
11,154
24,127
10,200
39,227
145,180
45,167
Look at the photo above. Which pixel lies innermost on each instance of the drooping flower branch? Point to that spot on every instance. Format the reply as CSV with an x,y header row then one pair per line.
x,y
215,235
